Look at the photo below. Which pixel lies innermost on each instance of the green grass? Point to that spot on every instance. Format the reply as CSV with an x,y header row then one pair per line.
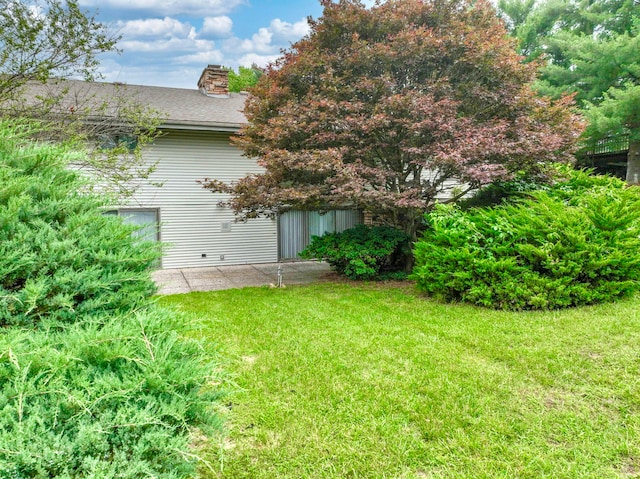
x,y
344,380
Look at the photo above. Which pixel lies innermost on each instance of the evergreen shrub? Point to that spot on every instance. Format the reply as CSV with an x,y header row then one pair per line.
x,y
573,243
500,191
61,258
96,381
125,396
363,252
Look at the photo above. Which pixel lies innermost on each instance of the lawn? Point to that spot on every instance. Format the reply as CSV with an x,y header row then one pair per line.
x,y
368,381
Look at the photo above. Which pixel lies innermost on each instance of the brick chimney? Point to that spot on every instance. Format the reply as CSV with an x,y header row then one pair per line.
x,y
214,81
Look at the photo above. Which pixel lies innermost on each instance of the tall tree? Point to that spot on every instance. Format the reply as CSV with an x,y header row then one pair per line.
x,y
388,108
245,78
536,23
604,71
44,42
40,39
589,49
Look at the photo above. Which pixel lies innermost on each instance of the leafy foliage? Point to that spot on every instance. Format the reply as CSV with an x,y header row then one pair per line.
x,y
41,39
500,191
589,49
604,72
575,243
381,108
61,258
115,397
244,79
541,27
95,381
129,127
362,252
618,114
44,42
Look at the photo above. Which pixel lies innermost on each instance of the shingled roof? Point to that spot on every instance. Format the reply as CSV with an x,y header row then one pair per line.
x,y
180,108
183,108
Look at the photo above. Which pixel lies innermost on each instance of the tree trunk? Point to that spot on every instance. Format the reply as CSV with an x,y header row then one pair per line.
x,y
633,162
413,228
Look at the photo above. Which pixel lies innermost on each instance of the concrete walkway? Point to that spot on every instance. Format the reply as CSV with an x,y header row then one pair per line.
x,y
174,281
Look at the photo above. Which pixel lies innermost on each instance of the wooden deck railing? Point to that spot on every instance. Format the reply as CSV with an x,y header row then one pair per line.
x,y
609,145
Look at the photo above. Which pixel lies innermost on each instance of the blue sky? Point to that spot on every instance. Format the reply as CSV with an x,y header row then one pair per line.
x,y
169,42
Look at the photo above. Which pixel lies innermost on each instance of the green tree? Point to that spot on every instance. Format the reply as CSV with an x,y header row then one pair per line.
x,y
536,24
43,42
619,113
386,109
245,78
41,39
589,49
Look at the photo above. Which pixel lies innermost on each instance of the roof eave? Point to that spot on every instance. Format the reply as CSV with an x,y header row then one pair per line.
x,y
200,125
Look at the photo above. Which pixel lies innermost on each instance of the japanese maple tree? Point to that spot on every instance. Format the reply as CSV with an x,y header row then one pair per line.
x,y
389,108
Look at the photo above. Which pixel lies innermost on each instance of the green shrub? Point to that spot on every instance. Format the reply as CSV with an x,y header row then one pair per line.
x,y
363,252
500,191
575,243
95,381
60,257
115,398
564,182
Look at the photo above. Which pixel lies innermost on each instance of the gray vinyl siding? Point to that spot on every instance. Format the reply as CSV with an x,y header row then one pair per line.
x,y
192,224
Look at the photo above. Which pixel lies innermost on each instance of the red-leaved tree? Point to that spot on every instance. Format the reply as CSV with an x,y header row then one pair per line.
x,y
385,109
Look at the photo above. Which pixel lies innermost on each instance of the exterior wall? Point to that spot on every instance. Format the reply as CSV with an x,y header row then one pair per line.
x,y
197,232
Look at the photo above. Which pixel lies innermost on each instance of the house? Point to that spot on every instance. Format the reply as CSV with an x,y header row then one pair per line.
x,y
196,144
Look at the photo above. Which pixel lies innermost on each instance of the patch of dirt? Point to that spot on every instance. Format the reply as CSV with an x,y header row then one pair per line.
x,y
249,359
592,355
631,467
551,402
419,474
556,399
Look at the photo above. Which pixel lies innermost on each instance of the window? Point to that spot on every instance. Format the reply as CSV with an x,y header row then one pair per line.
x,y
146,219
111,141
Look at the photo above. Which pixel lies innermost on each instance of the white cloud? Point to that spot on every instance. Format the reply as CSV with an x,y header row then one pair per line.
x,y
259,60
154,27
260,42
164,36
217,26
268,41
201,58
289,31
166,45
168,7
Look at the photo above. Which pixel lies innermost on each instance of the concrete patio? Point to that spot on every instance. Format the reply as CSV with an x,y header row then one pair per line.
x,y
187,280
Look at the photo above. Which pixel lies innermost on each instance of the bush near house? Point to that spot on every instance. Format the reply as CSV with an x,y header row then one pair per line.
x,y
363,252
60,258
573,243
96,381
